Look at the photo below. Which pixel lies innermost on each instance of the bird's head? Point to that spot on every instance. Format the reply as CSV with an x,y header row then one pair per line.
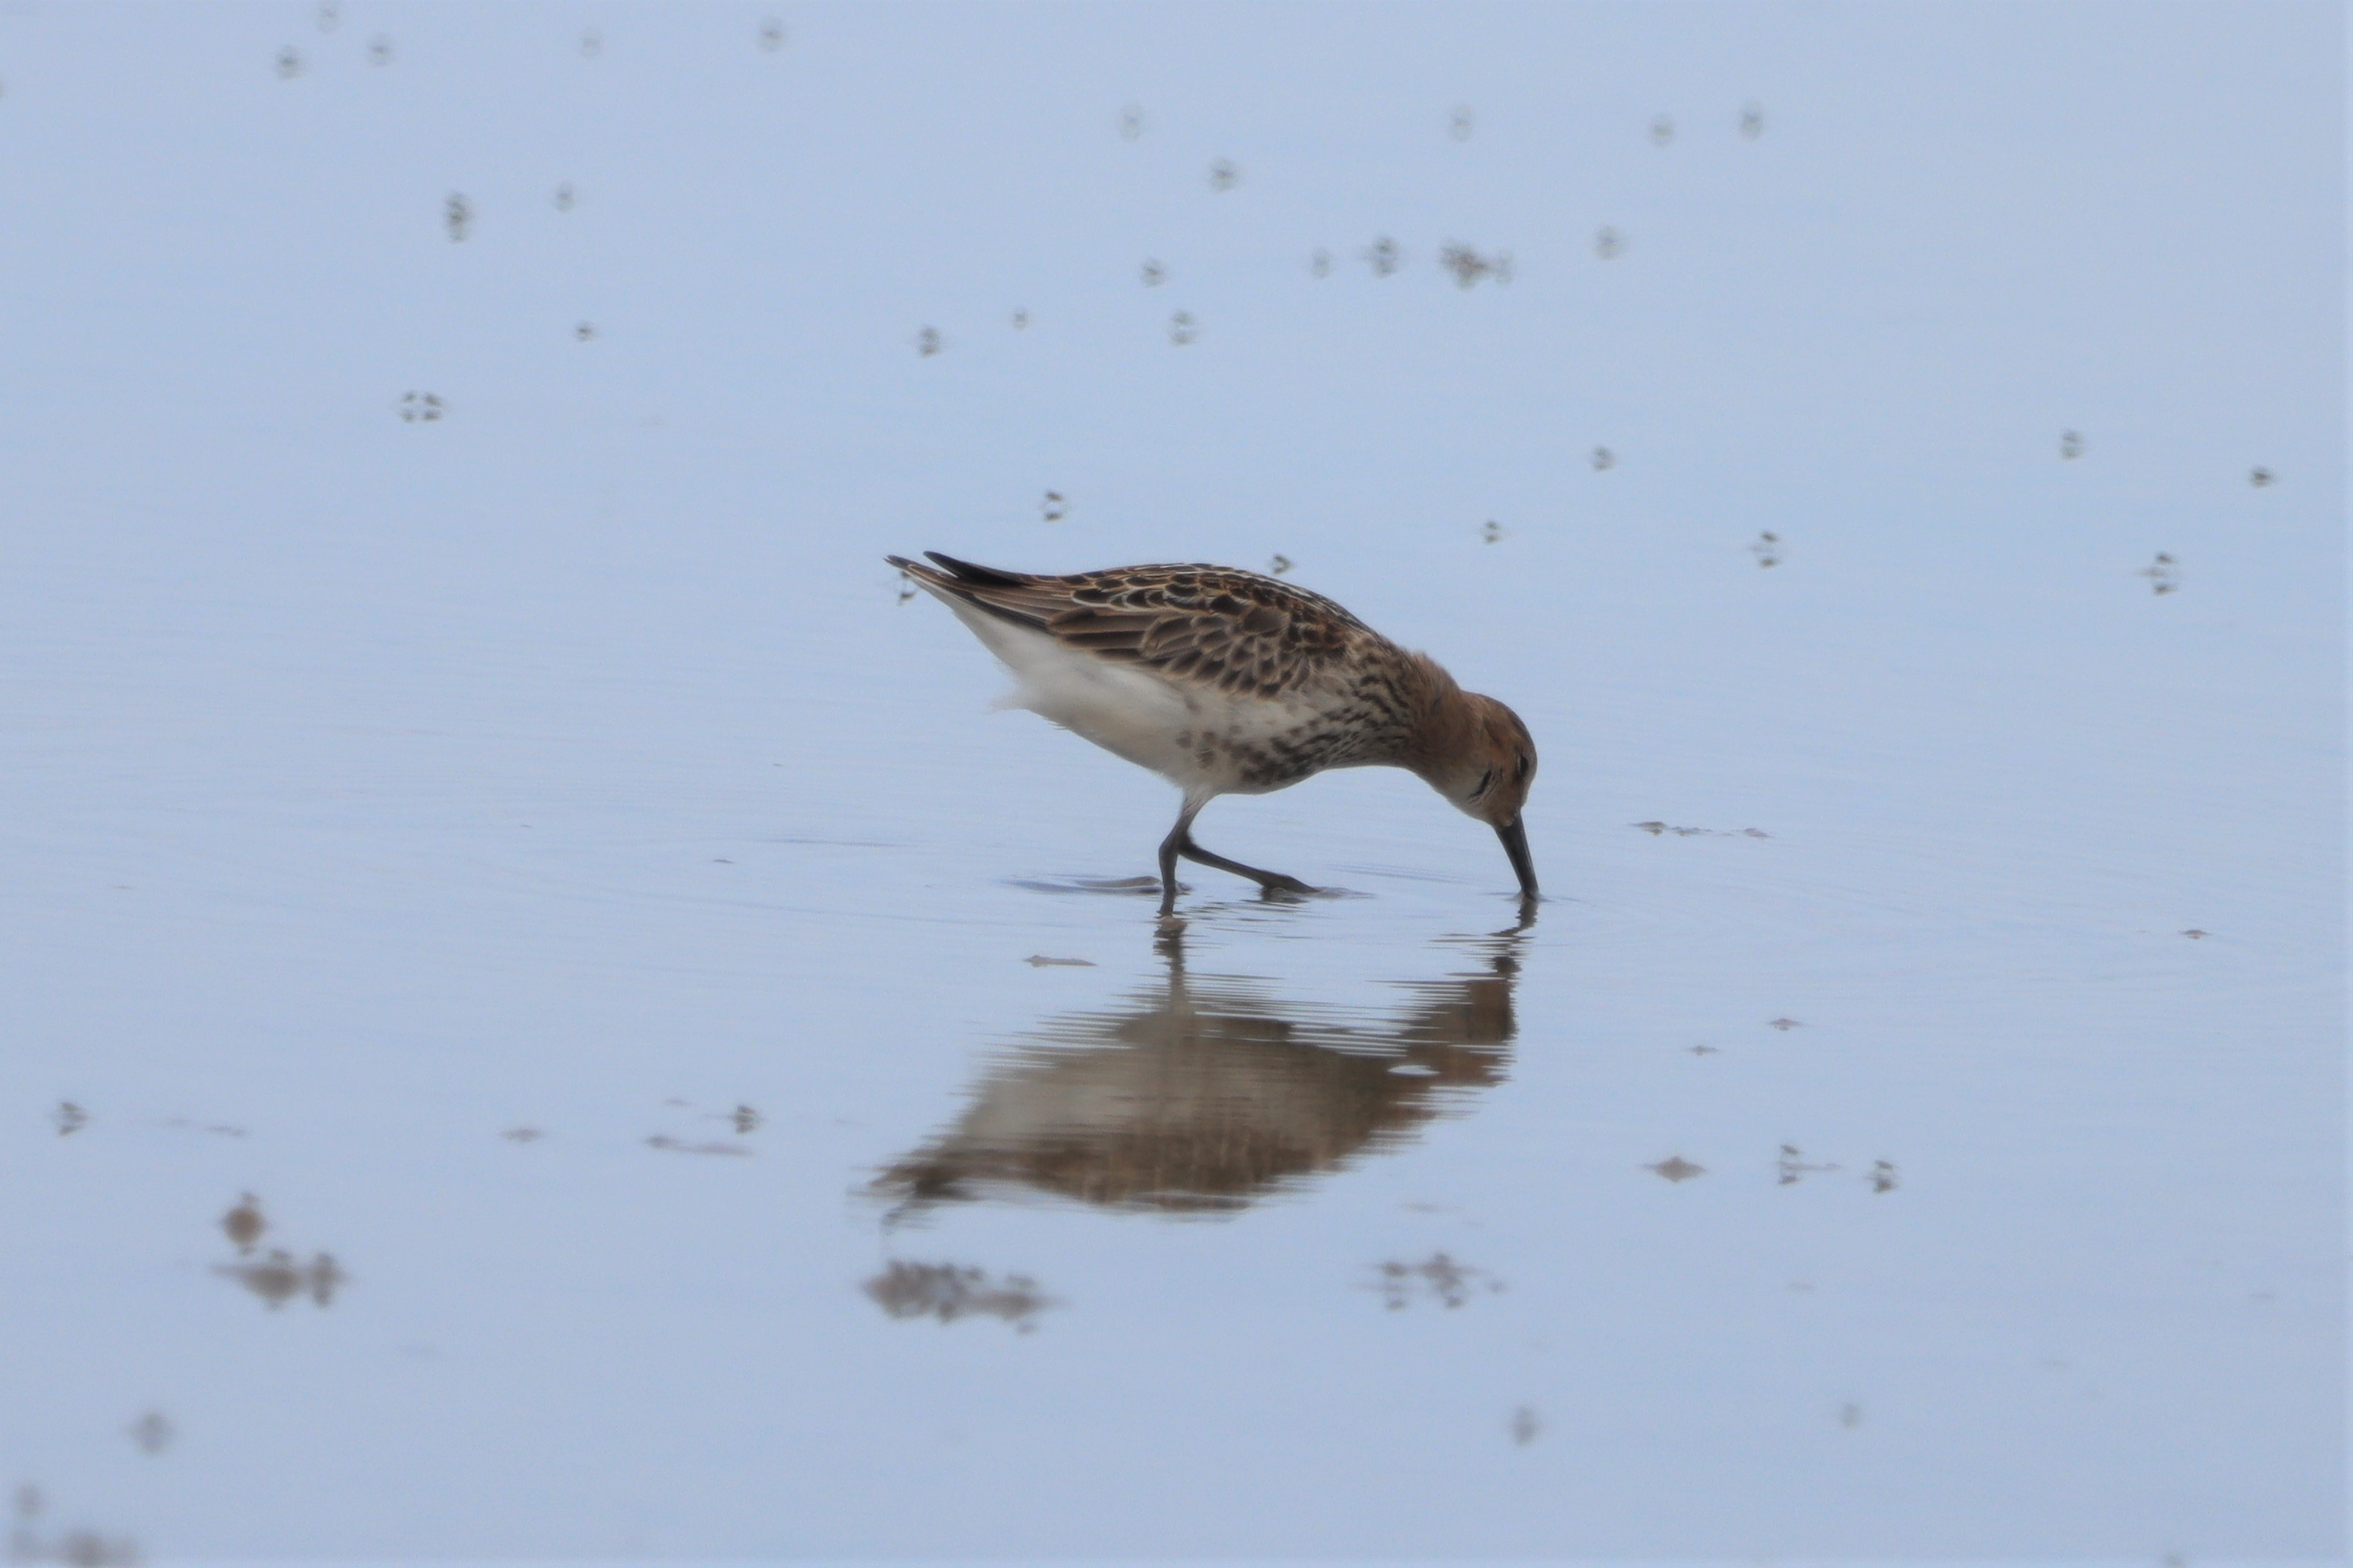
x,y
1486,770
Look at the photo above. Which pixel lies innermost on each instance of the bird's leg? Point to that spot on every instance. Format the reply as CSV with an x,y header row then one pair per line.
x,y
1179,836
1273,881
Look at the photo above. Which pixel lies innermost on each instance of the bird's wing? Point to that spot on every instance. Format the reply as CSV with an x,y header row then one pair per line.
x,y
1234,632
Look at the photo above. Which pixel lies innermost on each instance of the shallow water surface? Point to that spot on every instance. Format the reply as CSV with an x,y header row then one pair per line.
x,y
549,1019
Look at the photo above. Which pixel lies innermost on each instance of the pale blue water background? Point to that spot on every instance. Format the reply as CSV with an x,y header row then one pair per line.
x,y
378,788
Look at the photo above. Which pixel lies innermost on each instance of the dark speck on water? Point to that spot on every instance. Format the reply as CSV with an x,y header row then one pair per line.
x,y
244,1224
1438,1277
1793,1167
153,1432
947,1292
675,1146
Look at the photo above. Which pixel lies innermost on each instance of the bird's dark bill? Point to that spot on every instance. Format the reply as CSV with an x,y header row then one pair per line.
x,y
1515,845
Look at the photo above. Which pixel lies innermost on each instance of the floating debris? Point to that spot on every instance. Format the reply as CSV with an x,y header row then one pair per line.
x,y
1603,459
458,216
1131,123
421,408
79,1547
747,1120
2164,573
1767,549
948,1293
69,1118
523,1135
1752,121
2259,477
1020,321
244,1224
1183,329
1383,257
662,1141
1459,125
290,63
1468,267
1224,176
2071,445
1849,1416
1153,274
1784,1024
1702,1050
380,50
1493,532
564,197
2195,935
772,35
928,342
1525,1425
1677,1169
153,1432
1608,244
219,1129
1279,566
1054,509
1793,1168
1883,1177
1320,264
331,15
1437,1277
1039,960
592,43
1662,131
1657,829
586,331
277,1279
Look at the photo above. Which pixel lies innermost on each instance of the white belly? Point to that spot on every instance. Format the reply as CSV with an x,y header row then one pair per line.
x,y
1180,732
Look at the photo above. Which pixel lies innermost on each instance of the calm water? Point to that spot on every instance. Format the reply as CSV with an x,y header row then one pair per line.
x,y
548,1019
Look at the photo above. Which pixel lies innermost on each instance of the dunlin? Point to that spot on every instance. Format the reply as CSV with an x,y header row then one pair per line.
x,y
1226,683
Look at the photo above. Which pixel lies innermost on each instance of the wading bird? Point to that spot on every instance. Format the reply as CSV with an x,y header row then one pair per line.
x,y
1226,683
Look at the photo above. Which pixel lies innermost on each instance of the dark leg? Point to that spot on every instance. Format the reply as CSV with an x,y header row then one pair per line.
x,y
1273,881
1170,848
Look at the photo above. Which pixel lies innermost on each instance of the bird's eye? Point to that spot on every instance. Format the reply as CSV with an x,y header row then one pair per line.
x,y
1519,773
1485,779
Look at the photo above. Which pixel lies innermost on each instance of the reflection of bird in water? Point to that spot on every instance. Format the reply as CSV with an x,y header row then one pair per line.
x,y
1226,683
1207,1094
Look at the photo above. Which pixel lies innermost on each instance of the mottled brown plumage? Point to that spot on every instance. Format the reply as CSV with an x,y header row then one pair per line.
x,y
1229,682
